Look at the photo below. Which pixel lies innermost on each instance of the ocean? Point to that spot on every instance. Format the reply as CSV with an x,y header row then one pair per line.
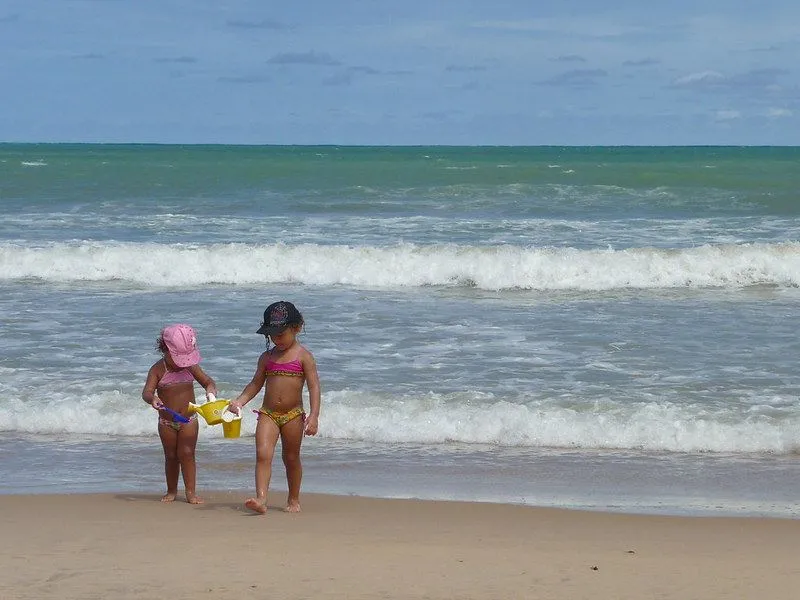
x,y
606,328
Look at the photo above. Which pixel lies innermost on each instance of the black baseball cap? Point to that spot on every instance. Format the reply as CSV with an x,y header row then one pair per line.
x,y
279,316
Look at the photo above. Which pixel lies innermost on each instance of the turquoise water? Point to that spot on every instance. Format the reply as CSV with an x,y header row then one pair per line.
x,y
534,309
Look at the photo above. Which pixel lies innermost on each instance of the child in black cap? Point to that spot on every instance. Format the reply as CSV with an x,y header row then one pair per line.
x,y
285,369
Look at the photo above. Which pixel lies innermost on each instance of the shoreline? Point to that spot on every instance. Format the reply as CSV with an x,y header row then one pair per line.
x,y
687,512
619,482
130,545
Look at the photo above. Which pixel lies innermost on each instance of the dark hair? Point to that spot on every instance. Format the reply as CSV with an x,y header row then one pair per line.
x,y
161,346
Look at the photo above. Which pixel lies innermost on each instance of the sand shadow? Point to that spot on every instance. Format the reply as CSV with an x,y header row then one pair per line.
x,y
212,502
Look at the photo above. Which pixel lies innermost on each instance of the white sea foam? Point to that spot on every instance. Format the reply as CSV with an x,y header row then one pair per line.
x,y
407,265
464,417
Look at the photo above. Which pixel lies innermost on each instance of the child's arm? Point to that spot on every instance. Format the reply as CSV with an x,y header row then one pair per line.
x,y
252,388
150,385
314,392
204,379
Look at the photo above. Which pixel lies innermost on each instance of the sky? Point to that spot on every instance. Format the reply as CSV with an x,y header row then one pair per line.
x,y
416,72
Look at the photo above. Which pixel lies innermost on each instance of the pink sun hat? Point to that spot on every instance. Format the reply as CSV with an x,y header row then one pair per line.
x,y
181,342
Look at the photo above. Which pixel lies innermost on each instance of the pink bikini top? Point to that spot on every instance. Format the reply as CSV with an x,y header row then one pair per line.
x,y
173,377
293,368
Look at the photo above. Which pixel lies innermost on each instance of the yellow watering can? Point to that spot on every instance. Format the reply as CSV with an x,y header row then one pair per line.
x,y
211,411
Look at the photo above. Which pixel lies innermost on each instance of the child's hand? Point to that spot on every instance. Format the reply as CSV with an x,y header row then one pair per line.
x,y
157,403
312,425
235,408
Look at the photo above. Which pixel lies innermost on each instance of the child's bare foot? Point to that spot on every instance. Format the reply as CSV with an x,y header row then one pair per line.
x,y
256,505
193,499
293,506
169,497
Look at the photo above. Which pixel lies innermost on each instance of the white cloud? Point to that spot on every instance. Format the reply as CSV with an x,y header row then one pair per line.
x,y
727,115
304,58
778,113
569,58
701,78
576,78
642,62
593,26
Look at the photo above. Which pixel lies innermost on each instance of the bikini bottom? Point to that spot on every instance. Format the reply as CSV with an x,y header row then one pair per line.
x,y
176,425
281,418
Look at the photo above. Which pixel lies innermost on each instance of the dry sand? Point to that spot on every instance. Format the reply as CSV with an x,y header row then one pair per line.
x,y
132,546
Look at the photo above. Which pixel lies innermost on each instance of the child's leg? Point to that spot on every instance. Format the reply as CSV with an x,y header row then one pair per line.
x,y
291,439
172,468
267,433
187,442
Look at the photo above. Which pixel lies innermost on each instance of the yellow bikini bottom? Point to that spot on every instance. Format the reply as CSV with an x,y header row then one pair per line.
x,y
282,418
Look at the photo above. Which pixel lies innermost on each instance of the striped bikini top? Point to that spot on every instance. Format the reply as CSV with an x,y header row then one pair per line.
x,y
293,368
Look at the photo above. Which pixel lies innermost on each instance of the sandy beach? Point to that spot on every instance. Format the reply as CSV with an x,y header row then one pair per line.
x,y
133,546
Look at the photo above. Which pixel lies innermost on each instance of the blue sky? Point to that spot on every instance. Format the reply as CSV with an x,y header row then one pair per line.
x,y
505,72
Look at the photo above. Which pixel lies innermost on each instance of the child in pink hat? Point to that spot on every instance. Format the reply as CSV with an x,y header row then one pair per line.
x,y
169,388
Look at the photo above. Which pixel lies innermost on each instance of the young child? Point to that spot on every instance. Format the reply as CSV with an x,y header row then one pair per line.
x,y
170,385
284,369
